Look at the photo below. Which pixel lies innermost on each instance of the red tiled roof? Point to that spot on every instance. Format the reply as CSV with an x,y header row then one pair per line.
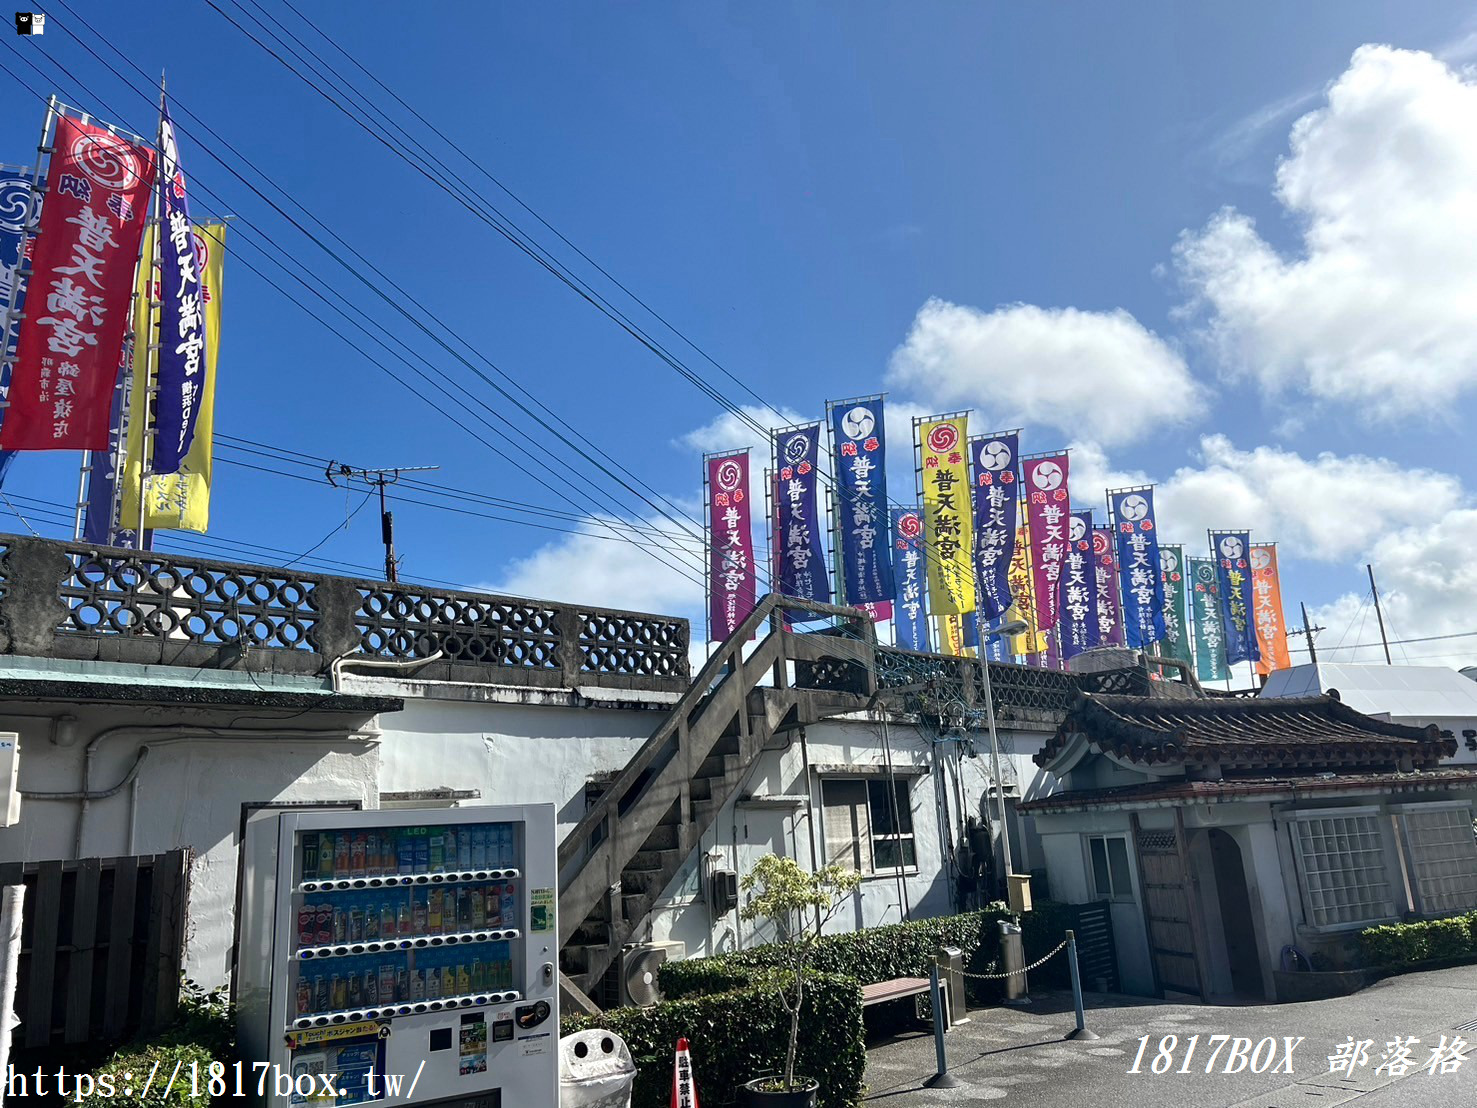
x,y
1180,792
1312,733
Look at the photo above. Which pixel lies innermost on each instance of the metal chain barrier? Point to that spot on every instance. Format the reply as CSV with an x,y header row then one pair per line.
x,y
1061,946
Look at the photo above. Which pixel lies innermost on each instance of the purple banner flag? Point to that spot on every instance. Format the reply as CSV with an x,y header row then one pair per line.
x,y
1078,603
996,498
797,523
181,373
1110,625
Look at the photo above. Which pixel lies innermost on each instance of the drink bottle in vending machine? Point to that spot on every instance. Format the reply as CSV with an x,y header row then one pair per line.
x,y
381,946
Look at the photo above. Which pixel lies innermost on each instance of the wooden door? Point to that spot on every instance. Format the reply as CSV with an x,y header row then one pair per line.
x,y
1164,881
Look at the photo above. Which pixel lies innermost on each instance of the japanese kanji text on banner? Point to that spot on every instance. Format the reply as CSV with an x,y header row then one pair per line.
x,y
179,501
1110,623
1232,552
996,493
731,575
1141,587
1048,505
1205,616
91,225
1176,641
801,565
947,525
909,617
181,373
1078,602
861,501
1271,631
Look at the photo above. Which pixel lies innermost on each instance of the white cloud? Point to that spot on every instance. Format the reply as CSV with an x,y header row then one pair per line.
x,y
1377,307
1318,507
1061,367
595,568
730,432
1427,578
1328,508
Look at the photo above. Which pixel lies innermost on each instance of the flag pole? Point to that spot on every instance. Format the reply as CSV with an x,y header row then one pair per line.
x,y
12,314
151,351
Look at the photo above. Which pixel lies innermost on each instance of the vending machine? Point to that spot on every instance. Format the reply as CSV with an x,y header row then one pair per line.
x,y
390,957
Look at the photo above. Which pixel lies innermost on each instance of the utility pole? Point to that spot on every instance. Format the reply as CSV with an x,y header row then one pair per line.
x,y
1308,632
1380,615
377,479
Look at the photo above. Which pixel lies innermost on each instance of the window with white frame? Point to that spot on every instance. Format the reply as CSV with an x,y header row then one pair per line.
x,y
1109,855
868,827
1442,857
1341,856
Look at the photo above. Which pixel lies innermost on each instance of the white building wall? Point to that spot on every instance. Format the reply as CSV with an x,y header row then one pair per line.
x,y
189,792
508,747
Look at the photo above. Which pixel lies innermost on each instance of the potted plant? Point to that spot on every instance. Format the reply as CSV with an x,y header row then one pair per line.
x,y
798,903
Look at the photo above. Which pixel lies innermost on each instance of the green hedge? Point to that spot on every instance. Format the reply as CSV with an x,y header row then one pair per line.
x,y
896,950
1400,945
741,1034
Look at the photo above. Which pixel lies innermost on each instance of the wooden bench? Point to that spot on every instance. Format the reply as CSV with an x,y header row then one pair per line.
x,y
900,988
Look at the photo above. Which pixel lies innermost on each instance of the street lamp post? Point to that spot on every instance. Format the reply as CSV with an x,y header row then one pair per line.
x,y
1014,627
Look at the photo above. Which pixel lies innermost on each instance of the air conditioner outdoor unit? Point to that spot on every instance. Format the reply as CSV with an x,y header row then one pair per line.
x,y
639,966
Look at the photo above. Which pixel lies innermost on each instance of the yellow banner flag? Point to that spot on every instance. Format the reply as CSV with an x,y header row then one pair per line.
x,y
1266,591
1023,608
948,522
176,501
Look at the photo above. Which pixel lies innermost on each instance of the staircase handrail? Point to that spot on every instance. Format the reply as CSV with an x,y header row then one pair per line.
x,y
701,685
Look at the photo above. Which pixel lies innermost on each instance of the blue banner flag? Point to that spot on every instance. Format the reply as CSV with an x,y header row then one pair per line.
x,y
1077,609
181,373
909,619
1141,586
1232,553
15,208
993,460
802,563
861,501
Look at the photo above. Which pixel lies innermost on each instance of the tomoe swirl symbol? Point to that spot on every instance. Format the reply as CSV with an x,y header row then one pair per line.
x,y
15,196
107,159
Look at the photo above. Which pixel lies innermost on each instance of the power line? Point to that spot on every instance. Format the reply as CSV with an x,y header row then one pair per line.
x,y
596,517
510,428
467,196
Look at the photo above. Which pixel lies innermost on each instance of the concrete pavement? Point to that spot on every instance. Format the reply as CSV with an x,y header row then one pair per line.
x,y
1020,1053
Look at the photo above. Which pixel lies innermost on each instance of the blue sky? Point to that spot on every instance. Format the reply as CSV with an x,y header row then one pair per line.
x,y
790,186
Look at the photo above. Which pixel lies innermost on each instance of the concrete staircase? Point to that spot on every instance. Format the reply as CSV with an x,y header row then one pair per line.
x,y
650,818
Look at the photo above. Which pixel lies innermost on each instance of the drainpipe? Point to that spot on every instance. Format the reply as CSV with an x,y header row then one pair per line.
x,y
170,733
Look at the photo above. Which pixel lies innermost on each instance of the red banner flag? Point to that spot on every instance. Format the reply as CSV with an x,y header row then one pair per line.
x,y
1048,504
81,290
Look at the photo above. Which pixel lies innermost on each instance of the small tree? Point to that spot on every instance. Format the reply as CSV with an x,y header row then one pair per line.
x,y
788,895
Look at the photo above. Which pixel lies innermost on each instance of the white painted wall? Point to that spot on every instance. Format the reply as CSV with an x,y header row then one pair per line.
x,y
189,792
509,746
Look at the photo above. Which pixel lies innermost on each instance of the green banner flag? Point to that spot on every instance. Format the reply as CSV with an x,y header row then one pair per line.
x,y
1176,641
1205,604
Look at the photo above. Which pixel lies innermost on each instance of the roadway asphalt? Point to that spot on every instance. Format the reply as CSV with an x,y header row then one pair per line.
x,y
1020,1053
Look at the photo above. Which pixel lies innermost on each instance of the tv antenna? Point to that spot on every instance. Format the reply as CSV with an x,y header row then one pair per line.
x,y
377,479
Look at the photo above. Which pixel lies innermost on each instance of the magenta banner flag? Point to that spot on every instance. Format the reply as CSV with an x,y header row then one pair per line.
x,y
732,586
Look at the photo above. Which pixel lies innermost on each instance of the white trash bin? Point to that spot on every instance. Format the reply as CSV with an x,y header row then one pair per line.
x,y
595,1070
